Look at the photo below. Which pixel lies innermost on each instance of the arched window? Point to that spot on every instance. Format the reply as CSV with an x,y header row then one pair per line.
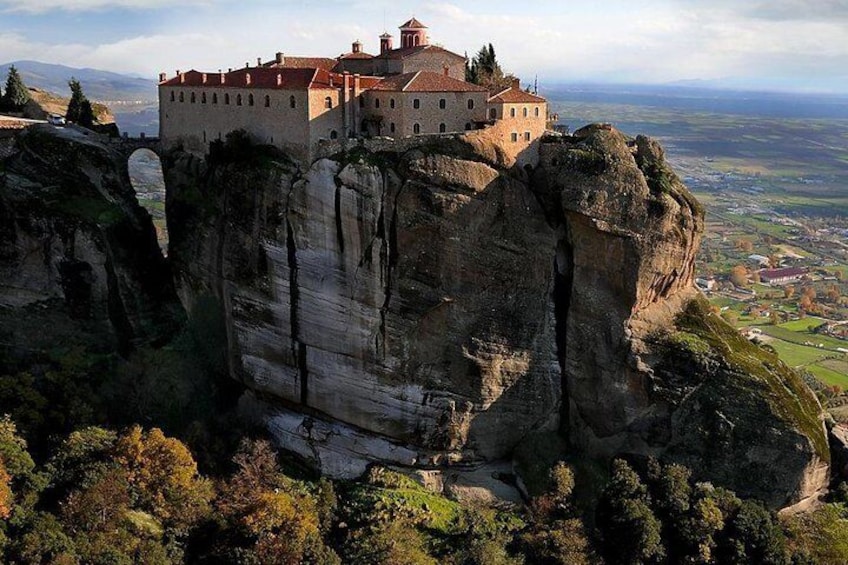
x,y
392,127
328,102
172,96
443,103
470,103
376,102
493,113
214,97
203,98
227,98
537,111
250,99
525,112
443,128
415,41
416,103
334,134
292,102
512,112
182,96
193,97
238,100
468,126
416,129
267,101
392,103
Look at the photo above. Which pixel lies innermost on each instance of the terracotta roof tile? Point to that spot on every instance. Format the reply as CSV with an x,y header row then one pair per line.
x,y
413,24
409,51
260,77
303,63
359,55
514,95
425,81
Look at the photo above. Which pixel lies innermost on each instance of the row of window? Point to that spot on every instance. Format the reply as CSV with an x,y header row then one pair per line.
x,y
493,113
416,103
514,136
239,100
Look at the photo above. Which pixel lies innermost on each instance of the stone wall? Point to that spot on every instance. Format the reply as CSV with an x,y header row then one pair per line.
x,y
456,116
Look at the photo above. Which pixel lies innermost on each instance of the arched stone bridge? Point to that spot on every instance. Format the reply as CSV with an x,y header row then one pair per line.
x,y
129,145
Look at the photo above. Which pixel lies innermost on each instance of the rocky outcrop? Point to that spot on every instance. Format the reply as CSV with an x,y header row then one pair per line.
x,y
648,370
77,253
422,305
402,297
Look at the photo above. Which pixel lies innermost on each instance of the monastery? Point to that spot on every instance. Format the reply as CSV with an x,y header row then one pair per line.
x,y
299,103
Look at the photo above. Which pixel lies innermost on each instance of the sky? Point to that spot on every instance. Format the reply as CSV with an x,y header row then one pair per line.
x,y
778,44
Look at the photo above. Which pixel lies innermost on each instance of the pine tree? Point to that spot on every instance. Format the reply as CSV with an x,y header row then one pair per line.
x,y
75,106
86,116
16,95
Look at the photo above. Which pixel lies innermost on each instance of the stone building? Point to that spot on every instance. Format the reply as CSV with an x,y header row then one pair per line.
x,y
296,103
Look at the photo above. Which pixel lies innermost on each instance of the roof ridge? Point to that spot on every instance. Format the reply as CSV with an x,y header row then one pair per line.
x,y
410,81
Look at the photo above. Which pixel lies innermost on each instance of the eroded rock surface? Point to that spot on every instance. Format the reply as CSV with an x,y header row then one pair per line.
x,y
426,306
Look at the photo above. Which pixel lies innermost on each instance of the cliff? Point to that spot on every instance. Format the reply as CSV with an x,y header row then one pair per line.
x,y
424,305
77,252
420,304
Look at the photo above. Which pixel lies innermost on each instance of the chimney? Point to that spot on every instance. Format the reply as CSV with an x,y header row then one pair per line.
x,y
385,43
281,59
259,61
182,77
247,64
204,78
163,77
357,46
446,70
516,84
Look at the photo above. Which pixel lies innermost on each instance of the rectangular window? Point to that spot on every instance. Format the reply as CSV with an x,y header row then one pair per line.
x,y
514,137
526,136
416,103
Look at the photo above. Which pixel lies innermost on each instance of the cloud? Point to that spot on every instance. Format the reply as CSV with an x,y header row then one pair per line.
x,y
44,6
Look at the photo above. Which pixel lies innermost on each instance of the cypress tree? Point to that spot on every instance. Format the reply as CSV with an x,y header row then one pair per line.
x,y
16,95
75,106
86,116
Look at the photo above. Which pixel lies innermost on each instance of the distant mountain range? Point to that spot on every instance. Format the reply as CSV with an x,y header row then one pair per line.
x,y
101,86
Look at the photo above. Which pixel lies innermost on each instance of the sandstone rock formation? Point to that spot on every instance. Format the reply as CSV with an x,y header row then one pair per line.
x,y
424,305
77,253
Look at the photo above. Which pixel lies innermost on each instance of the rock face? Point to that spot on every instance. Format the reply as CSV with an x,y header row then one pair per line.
x,y
425,305
407,302
77,253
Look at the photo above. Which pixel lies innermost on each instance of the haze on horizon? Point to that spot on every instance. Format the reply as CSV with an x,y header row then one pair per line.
x,y
799,45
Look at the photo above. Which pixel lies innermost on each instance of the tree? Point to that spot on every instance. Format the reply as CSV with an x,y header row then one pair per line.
x,y
745,245
739,275
631,531
79,108
788,291
485,70
16,93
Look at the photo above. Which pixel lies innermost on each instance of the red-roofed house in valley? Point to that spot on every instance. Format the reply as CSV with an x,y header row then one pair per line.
x,y
782,276
296,103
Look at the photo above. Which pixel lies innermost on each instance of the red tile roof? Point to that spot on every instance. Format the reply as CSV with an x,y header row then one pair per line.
x,y
303,63
359,55
514,95
405,52
413,24
260,77
425,81
782,273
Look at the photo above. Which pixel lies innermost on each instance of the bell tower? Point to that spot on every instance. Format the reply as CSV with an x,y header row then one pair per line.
x,y
412,34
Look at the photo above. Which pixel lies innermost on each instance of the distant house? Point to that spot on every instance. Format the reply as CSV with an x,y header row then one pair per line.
x,y
706,284
761,260
782,276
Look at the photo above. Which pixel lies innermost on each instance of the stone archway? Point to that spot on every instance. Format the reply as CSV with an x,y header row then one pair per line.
x,y
148,180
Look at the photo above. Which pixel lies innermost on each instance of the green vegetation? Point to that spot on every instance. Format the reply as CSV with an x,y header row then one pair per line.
x,y
759,371
16,94
80,110
485,70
